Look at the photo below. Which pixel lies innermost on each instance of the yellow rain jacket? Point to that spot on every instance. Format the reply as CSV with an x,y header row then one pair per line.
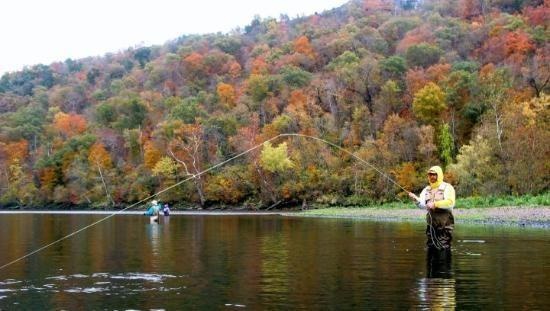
x,y
440,192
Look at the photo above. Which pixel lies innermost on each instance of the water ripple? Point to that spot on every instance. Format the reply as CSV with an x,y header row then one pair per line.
x,y
99,282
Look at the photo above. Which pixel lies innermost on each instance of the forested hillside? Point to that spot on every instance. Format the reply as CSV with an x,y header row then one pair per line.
x,y
403,85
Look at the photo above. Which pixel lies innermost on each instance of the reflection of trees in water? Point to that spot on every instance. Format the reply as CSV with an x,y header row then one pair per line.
x,y
438,290
275,274
153,233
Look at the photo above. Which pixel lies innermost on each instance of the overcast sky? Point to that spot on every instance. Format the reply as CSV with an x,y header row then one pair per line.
x,y
44,31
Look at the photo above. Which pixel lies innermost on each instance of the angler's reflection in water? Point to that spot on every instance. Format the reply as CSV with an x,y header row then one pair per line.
x,y
438,263
437,290
153,233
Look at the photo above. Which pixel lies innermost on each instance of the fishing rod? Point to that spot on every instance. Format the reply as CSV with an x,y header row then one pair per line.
x,y
349,153
135,204
200,174
433,233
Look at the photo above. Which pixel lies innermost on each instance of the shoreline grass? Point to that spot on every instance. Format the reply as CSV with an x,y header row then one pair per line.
x,y
535,216
463,203
532,211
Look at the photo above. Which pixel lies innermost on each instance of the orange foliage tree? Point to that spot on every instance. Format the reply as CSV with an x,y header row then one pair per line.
x,y
69,124
194,61
151,155
416,36
48,181
303,46
226,93
406,176
518,44
234,69
16,151
259,66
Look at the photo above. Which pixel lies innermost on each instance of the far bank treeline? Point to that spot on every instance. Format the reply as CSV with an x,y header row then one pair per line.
x,y
402,84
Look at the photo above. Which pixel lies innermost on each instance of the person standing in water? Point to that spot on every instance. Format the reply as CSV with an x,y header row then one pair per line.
x,y
166,210
154,210
438,198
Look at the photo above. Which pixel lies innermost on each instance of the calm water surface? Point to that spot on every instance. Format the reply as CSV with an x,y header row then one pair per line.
x,y
266,262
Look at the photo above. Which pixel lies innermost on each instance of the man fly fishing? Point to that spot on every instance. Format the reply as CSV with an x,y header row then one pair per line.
x,y
438,198
153,211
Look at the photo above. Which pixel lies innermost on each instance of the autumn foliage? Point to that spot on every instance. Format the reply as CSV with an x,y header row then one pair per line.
x,y
69,124
403,85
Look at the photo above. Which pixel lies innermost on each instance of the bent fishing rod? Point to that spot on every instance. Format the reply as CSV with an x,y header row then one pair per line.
x,y
200,174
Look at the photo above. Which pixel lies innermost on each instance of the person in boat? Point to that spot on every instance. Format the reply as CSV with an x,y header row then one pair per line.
x,y
154,209
166,210
438,198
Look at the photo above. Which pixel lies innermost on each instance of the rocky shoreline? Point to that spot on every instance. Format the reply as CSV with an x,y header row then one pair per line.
x,y
521,216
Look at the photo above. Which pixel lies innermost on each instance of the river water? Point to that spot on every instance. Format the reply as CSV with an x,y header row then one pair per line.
x,y
266,262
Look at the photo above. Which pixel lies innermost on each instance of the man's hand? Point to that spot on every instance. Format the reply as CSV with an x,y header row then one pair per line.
x,y
413,196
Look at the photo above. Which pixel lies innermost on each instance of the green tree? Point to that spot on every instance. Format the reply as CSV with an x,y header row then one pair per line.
x,y
105,114
295,77
228,43
394,66
27,122
446,145
429,104
187,110
258,87
131,114
143,55
346,66
132,143
423,55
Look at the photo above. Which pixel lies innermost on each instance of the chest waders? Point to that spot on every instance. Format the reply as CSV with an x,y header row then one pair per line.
x,y
440,222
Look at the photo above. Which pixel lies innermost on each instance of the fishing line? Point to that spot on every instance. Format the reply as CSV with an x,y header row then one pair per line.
x,y
135,204
350,153
433,234
197,175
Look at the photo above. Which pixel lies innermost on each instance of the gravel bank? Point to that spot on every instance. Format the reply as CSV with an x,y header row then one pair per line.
x,y
510,216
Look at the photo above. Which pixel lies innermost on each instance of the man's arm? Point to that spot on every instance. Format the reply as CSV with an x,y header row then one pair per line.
x,y
419,200
449,198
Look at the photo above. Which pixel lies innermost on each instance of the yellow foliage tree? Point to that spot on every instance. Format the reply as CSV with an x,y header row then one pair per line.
x,y
99,156
275,159
151,155
165,167
429,104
